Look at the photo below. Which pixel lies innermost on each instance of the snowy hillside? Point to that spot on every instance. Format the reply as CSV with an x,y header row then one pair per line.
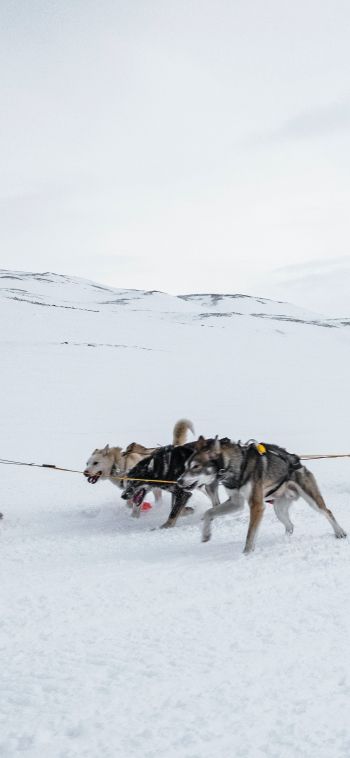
x,y
122,641
321,285
99,363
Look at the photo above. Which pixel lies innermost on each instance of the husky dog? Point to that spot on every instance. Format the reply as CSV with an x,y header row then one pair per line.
x,y
167,464
248,474
112,462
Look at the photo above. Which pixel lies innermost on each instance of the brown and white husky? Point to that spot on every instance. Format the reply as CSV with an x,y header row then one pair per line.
x,y
112,462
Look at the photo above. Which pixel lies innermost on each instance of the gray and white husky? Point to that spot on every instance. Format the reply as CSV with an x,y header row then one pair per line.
x,y
247,474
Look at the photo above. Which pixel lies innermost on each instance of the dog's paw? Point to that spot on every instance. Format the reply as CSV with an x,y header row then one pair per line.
x,y
340,534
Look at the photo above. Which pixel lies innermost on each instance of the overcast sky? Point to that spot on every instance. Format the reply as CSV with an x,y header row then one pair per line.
x,y
183,146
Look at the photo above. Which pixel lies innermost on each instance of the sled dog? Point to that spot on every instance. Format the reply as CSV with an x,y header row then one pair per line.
x,y
111,462
248,474
167,464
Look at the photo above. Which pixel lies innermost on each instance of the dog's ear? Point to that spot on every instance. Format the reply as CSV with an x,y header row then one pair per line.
x,y
201,442
105,450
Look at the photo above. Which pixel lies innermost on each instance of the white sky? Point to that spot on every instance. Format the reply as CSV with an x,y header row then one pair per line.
x,y
182,146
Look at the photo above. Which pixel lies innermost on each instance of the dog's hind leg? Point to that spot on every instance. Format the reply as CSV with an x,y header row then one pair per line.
x,y
178,502
157,492
281,508
308,488
257,507
234,504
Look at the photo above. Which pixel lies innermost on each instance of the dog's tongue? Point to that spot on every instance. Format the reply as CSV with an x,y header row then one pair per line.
x,y
138,498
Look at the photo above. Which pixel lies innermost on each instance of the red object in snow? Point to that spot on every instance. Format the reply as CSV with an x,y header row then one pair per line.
x,y
146,506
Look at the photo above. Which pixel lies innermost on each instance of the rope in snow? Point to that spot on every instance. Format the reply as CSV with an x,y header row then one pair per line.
x,y
7,462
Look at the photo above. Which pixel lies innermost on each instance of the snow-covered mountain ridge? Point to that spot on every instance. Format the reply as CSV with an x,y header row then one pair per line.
x,y
66,292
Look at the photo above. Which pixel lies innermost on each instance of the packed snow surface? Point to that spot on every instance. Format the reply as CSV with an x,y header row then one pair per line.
x,y
119,639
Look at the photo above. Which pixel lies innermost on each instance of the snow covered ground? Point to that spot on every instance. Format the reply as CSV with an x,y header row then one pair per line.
x,y
122,641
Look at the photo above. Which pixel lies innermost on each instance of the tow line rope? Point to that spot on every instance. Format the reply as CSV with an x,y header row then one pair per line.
x,y
52,466
7,462
318,457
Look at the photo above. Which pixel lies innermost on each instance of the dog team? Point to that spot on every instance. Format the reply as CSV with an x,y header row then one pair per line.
x,y
252,473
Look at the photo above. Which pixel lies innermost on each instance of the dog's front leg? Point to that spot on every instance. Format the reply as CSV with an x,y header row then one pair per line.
x,y
257,507
212,490
234,504
136,510
178,502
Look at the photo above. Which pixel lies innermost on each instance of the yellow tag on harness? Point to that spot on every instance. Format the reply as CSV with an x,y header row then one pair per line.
x,y
261,448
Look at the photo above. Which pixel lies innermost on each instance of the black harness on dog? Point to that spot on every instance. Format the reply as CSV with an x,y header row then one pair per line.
x,y
167,463
232,481
293,464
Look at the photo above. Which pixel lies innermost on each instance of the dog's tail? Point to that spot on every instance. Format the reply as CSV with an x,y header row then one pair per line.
x,y
182,426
